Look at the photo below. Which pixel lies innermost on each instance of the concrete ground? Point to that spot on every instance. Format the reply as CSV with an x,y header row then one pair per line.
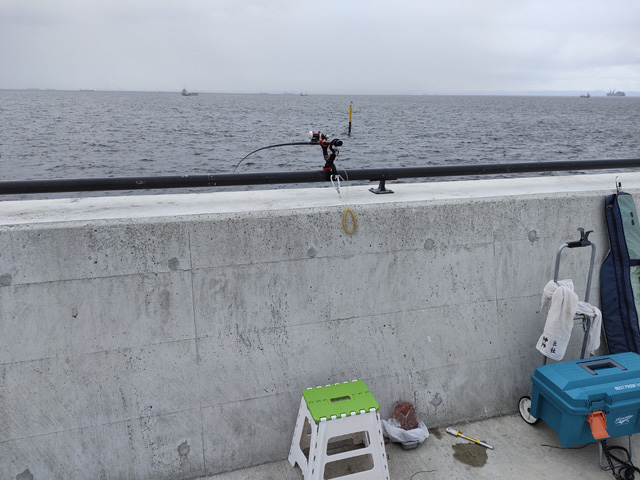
x,y
521,451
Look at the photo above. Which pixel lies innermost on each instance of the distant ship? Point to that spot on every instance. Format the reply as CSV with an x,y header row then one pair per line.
x,y
588,95
613,93
188,94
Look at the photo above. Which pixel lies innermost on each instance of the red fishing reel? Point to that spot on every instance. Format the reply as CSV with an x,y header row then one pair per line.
x,y
329,149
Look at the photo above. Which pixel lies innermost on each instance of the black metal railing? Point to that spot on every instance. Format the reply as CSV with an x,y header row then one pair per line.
x,y
272,178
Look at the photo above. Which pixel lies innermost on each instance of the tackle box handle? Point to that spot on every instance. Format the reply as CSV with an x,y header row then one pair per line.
x,y
593,365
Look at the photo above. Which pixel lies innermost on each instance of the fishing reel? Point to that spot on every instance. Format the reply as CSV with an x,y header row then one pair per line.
x,y
329,149
318,137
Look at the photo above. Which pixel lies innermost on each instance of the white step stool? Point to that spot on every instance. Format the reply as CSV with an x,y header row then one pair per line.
x,y
340,426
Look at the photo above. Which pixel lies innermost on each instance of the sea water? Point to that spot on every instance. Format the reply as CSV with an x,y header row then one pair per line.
x,y
65,134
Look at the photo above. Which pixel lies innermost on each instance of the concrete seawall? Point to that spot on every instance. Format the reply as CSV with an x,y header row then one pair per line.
x,y
170,337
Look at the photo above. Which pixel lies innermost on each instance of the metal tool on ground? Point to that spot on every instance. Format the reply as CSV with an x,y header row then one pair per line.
x,y
458,433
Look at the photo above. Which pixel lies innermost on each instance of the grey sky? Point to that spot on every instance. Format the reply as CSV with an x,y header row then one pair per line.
x,y
332,46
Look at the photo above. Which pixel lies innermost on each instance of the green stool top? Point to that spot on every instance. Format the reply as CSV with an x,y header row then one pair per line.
x,y
347,397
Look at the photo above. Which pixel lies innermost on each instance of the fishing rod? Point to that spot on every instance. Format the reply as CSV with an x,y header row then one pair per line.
x,y
329,150
272,146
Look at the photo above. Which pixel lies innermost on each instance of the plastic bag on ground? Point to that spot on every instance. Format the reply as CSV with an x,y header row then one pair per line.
x,y
396,433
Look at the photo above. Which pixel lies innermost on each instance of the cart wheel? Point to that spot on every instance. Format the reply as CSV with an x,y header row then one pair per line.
x,y
525,410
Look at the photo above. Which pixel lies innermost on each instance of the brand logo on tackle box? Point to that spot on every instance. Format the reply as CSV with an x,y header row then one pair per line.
x,y
623,420
627,387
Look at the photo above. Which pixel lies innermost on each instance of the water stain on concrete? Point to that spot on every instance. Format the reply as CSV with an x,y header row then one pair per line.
x,y
184,449
436,400
183,452
26,475
470,454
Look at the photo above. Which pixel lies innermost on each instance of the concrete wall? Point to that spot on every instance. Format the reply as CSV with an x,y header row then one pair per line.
x,y
170,337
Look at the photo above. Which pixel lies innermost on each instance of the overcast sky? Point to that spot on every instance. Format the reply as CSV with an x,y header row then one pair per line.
x,y
331,46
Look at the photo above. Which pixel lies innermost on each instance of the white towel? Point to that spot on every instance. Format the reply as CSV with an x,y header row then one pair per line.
x,y
593,341
561,302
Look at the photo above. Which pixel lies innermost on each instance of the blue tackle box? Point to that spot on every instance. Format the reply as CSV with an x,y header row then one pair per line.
x,y
589,400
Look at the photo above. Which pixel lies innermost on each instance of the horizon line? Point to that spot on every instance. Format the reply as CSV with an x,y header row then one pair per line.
x,y
598,92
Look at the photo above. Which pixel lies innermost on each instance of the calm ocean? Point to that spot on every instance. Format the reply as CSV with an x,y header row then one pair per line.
x,y
60,134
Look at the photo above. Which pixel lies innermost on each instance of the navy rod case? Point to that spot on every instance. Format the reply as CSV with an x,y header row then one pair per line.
x,y
620,275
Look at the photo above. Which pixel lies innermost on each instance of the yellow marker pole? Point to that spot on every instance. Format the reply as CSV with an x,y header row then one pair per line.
x,y
350,110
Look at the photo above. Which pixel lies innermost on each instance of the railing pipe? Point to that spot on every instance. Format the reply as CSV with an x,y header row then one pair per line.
x,y
271,178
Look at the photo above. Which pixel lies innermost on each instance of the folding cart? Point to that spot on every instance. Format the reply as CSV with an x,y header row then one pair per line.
x,y
524,404
587,400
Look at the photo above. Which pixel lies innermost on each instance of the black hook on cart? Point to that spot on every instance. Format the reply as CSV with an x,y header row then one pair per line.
x,y
584,239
